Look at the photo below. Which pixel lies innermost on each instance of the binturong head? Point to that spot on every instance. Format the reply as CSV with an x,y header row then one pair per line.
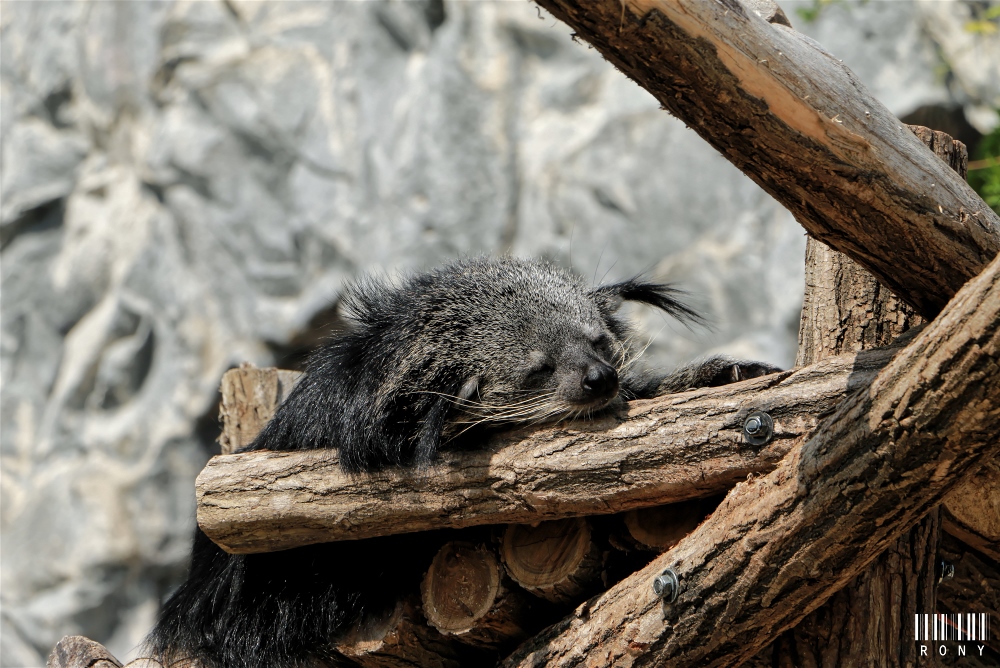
x,y
482,342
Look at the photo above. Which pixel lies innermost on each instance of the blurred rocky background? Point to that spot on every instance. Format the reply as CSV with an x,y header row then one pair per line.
x,y
188,185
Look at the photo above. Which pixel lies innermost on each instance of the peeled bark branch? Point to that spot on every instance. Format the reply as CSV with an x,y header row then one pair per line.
x,y
669,449
781,545
798,122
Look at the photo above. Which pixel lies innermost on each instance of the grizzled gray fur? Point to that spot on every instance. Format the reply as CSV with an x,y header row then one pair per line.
x,y
477,344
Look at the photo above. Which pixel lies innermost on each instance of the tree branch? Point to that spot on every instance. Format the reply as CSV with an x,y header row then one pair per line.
x,y
780,545
800,124
669,449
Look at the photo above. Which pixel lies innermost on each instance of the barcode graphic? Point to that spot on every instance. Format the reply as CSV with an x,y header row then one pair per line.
x,y
941,627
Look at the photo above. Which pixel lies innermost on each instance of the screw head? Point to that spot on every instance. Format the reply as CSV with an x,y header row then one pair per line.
x,y
666,585
758,428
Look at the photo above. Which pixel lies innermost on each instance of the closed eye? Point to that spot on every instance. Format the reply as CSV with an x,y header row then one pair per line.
x,y
539,373
601,342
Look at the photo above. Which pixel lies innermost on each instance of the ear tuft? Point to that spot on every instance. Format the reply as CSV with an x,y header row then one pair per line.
x,y
610,297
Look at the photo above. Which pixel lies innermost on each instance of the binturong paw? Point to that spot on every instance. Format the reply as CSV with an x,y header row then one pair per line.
x,y
725,370
712,372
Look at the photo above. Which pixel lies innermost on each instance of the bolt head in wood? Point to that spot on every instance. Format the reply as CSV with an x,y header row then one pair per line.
x,y
758,429
667,586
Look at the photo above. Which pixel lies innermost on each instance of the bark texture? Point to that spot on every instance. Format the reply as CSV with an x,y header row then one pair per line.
x,y
80,652
249,398
797,122
781,545
847,309
669,449
971,512
975,587
557,560
466,596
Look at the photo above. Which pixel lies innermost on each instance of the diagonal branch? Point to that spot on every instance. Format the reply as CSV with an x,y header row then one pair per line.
x,y
798,123
779,546
669,449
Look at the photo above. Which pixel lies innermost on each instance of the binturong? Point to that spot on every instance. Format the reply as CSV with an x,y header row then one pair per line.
x,y
478,344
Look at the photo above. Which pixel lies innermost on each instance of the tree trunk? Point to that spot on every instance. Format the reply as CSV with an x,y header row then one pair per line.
x,y
401,639
846,309
974,588
781,545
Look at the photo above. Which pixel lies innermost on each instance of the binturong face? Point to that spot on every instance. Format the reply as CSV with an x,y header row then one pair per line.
x,y
546,346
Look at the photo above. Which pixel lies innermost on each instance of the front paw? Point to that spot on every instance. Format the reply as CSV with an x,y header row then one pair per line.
x,y
727,370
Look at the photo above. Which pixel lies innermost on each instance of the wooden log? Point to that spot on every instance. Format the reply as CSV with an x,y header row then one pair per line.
x,y
466,596
557,560
401,639
781,545
249,398
660,528
673,448
972,511
80,652
800,124
846,309
974,588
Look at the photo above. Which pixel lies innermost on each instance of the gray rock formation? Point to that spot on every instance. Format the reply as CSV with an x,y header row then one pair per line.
x,y
185,185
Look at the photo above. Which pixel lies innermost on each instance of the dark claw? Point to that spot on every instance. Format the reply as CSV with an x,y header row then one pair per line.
x,y
741,370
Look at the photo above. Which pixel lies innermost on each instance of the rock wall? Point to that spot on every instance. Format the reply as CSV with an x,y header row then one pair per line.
x,y
187,185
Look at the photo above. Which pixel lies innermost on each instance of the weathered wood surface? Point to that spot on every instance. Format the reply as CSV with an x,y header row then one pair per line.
x,y
673,448
466,595
975,587
557,560
972,510
845,309
80,652
801,125
249,398
662,527
780,545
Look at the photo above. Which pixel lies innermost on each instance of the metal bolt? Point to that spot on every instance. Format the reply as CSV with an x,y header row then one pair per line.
x,y
758,428
667,586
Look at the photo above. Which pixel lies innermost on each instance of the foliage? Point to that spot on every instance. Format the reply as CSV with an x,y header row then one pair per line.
x,y
984,169
986,21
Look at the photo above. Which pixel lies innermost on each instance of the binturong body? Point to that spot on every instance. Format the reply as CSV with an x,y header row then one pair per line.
x,y
478,344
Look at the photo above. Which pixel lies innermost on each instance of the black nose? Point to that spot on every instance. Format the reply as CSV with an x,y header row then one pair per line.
x,y
601,380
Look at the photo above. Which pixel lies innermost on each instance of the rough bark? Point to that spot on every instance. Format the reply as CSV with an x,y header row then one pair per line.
x,y
846,309
466,596
557,560
797,122
781,545
249,398
673,448
971,512
975,587
80,652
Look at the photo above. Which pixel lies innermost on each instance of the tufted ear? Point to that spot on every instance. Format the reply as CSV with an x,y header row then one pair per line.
x,y
609,298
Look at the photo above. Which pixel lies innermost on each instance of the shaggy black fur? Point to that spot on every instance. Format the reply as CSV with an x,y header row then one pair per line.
x,y
479,343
